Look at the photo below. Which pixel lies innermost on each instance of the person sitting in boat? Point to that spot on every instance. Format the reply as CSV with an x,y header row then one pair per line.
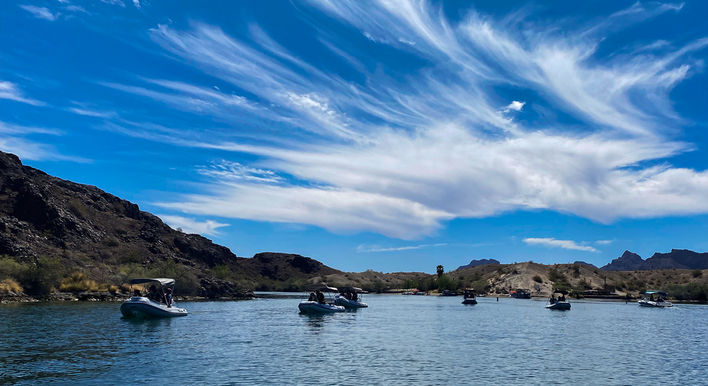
x,y
552,300
354,296
168,297
562,298
320,297
152,294
312,298
136,292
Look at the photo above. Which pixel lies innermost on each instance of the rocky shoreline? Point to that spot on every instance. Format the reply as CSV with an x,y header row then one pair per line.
x,y
107,297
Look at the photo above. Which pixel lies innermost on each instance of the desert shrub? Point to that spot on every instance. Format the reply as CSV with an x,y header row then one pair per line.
x,y
44,276
697,273
690,291
9,268
537,279
221,271
78,282
111,242
576,270
78,208
635,284
556,276
444,282
481,286
10,285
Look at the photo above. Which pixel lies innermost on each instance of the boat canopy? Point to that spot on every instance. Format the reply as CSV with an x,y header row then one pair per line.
x,y
656,292
354,289
322,287
163,281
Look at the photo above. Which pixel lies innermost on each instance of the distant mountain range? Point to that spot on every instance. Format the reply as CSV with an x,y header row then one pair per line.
x,y
677,258
475,263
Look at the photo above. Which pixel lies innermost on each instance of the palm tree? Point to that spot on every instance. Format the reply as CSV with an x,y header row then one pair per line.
x,y
441,270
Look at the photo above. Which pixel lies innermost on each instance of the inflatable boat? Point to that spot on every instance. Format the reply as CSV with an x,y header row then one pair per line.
x,y
348,303
139,306
312,307
562,306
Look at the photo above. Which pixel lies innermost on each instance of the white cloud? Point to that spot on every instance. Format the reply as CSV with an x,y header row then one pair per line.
x,y
114,2
40,12
91,113
375,248
191,225
401,158
515,106
9,90
234,171
603,242
136,3
565,244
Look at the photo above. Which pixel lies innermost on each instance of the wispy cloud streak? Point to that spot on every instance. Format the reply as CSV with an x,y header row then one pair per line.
x,y
371,248
565,244
401,158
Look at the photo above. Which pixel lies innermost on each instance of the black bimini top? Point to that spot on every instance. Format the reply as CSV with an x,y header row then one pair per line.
x,y
161,280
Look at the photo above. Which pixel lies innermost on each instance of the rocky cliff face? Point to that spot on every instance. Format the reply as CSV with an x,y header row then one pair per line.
x,y
84,227
676,259
629,261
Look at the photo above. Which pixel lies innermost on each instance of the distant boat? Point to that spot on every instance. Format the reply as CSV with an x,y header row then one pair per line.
x,y
559,303
656,299
469,297
156,304
319,306
355,301
520,294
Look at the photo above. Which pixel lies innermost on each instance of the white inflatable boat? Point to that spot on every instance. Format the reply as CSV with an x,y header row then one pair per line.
x,y
144,307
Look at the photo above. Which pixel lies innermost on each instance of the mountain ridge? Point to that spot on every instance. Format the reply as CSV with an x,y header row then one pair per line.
x,y
676,259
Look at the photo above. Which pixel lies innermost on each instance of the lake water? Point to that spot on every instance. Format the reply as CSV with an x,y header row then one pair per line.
x,y
397,340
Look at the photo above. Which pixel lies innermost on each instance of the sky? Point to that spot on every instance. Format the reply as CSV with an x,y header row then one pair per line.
x,y
385,135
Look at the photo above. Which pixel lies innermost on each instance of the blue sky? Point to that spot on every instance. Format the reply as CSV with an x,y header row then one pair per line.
x,y
394,136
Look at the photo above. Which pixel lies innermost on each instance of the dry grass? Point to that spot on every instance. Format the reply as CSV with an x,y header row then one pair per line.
x,y
10,286
78,282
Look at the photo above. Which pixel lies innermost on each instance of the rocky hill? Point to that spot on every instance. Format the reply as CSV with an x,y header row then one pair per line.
x,y
475,263
52,230
582,280
676,259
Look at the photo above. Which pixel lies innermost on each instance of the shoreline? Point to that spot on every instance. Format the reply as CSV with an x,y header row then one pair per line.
x,y
92,297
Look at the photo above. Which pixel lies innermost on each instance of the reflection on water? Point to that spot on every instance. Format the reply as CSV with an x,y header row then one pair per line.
x,y
398,339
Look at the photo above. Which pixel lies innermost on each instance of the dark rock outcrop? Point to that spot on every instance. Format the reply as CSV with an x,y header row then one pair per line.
x,y
676,259
627,262
475,263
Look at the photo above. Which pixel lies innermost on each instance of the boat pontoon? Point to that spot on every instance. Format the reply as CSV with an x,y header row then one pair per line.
x,y
350,297
156,305
656,299
315,305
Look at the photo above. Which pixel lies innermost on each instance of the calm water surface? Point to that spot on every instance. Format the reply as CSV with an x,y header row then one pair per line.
x,y
397,340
